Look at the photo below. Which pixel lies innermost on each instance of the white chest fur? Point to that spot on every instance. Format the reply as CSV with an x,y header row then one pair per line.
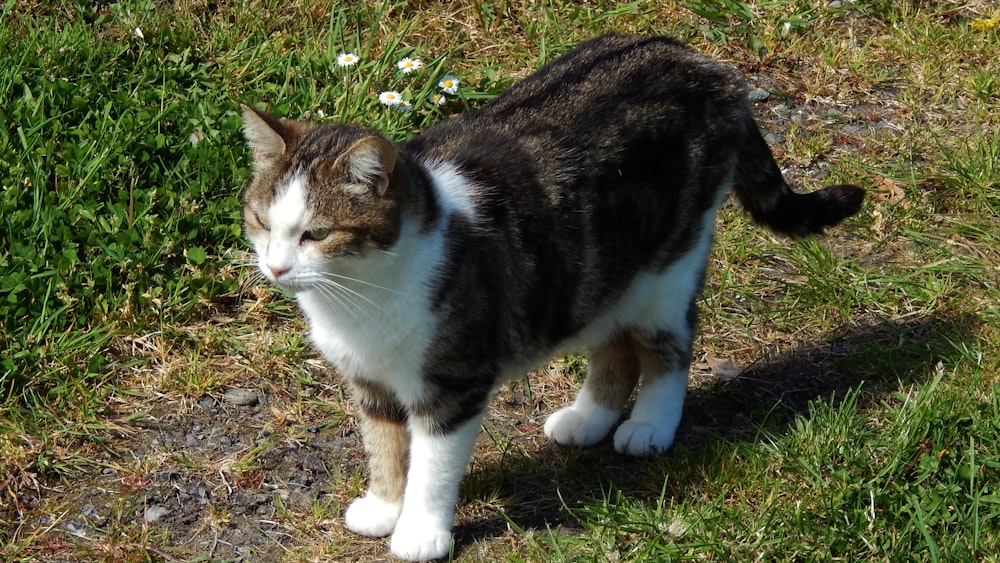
x,y
380,324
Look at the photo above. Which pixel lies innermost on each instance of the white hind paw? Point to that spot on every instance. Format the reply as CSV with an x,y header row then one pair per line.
x,y
576,426
642,438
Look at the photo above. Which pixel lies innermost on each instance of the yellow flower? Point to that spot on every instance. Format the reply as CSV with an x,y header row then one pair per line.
x,y
983,24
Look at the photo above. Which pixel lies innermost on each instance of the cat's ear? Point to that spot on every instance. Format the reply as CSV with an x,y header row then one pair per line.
x,y
371,162
267,136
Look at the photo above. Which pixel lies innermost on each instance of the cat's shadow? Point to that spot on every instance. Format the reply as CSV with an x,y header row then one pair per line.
x,y
532,489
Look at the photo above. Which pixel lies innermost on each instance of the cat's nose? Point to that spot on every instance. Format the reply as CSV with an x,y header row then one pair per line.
x,y
277,272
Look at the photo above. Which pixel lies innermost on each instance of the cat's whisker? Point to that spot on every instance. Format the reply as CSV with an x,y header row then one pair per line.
x,y
332,293
345,296
347,292
363,282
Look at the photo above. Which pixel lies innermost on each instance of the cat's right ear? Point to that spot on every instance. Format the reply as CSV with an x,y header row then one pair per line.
x,y
371,163
267,136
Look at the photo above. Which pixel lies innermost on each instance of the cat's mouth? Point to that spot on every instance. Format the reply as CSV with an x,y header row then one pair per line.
x,y
286,281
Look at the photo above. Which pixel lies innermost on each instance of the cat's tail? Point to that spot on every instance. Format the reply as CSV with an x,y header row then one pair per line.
x,y
763,192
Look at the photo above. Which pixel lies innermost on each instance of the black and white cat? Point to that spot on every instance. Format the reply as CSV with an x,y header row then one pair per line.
x,y
576,210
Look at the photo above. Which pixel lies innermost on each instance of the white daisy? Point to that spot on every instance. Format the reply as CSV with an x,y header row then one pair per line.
x,y
347,59
409,65
138,33
449,84
404,106
390,98
438,99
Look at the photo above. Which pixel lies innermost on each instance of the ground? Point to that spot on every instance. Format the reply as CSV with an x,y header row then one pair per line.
x,y
230,438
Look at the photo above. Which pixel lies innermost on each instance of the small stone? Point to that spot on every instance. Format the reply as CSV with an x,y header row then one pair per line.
x,y
154,513
300,481
164,476
774,138
196,490
758,95
313,464
191,441
207,402
76,527
241,397
225,441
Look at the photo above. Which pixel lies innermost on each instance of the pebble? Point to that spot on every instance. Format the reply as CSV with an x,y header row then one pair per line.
x,y
207,402
154,513
758,95
774,138
164,476
241,397
191,441
196,490
313,464
300,481
76,527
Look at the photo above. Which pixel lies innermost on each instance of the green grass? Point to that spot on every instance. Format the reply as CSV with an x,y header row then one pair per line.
x,y
864,425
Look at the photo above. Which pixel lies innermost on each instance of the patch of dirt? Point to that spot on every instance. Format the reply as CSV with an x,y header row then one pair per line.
x,y
219,481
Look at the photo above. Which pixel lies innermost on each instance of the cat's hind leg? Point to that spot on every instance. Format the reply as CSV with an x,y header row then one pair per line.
x,y
664,357
611,377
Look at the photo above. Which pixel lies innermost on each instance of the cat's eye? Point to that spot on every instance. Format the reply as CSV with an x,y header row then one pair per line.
x,y
316,234
262,221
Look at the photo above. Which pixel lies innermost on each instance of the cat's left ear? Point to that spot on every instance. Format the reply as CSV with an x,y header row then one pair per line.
x,y
267,136
371,161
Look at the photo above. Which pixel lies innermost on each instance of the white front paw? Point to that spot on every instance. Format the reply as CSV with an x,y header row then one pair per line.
x,y
371,516
419,539
572,426
642,438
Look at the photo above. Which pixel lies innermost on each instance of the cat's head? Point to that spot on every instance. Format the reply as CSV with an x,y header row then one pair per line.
x,y
319,195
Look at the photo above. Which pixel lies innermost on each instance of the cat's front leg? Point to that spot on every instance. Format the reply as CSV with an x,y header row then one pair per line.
x,y
437,465
386,440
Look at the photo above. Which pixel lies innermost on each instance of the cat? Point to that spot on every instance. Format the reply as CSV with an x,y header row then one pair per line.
x,y
575,210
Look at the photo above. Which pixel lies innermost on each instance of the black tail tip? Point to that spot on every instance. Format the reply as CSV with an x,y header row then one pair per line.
x,y
811,213
829,206
841,200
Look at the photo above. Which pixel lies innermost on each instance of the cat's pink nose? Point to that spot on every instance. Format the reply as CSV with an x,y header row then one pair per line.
x,y
277,272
